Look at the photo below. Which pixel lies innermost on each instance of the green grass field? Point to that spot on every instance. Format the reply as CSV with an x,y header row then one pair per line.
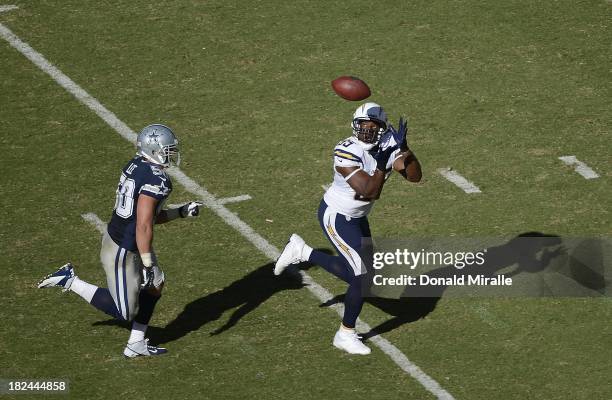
x,y
495,90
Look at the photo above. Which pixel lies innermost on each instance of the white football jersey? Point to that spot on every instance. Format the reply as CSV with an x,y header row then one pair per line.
x,y
349,153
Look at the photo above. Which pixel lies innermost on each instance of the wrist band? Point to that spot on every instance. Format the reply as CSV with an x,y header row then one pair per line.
x,y
147,259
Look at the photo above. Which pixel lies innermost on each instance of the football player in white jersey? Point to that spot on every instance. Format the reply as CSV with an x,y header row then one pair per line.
x,y
362,164
134,278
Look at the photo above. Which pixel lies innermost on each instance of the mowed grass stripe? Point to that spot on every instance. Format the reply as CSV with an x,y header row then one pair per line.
x,y
211,202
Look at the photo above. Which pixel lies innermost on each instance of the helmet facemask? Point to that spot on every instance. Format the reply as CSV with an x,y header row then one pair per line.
x,y
368,137
170,155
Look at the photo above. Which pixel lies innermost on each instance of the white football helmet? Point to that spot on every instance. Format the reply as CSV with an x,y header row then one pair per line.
x,y
368,138
158,144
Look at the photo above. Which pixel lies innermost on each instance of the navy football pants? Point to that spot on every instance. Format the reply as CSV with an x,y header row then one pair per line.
x,y
348,236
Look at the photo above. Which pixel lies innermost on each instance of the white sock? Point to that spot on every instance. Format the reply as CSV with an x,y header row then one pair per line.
x,y
306,250
138,332
83,289
345,329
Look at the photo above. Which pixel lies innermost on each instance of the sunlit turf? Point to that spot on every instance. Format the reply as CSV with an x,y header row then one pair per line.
x,y
498,91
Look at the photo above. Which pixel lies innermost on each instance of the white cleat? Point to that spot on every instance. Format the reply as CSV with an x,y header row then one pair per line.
x,y
292,254
142,348
350,342
63,278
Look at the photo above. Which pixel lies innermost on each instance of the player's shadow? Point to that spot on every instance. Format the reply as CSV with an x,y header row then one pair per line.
x,y
418,302
402,311
244,295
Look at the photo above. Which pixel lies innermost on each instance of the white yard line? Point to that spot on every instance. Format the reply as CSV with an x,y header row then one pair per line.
x,y
458,180
227,200
325,187
223,200
580,167
8,8
215,205
95,221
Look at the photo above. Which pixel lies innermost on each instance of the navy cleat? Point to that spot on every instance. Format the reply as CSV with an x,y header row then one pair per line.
x,y
142,348
62,277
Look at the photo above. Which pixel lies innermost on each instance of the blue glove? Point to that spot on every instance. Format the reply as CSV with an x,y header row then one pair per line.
x,y
401,134
382,157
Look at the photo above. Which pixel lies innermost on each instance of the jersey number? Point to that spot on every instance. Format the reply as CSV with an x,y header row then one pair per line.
x,y
124,204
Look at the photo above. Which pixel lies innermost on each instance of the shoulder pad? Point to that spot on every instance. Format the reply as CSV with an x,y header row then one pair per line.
x,y
158,191
157,170
349,150
153,174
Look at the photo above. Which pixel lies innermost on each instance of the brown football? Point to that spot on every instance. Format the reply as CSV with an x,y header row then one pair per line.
x,y
351,88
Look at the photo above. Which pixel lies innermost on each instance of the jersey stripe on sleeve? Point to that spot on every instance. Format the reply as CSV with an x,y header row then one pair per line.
x,y
347,155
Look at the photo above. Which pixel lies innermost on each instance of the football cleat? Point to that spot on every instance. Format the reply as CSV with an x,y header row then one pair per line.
x,y
350,342
142,349
292,254
62,277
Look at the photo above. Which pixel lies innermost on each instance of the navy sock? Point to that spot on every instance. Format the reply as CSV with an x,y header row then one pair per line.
x,y
353,302
104,302
146,305
335,265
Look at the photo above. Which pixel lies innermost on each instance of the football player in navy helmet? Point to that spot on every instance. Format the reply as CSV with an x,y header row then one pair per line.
x,y
133,275
362,164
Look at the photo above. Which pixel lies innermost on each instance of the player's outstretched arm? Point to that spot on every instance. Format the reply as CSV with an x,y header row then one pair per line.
x,y
408,166
191,209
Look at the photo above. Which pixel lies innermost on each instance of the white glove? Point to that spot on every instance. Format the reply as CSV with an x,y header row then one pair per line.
x,y
148,276
152,277
191,209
